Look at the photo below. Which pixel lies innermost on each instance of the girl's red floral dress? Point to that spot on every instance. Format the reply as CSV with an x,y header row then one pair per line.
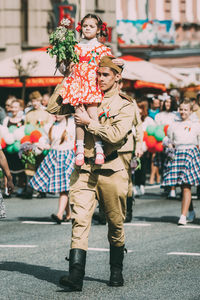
x,y
81,85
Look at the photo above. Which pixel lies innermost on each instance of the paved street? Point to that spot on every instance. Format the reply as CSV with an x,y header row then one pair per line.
x,y
163,260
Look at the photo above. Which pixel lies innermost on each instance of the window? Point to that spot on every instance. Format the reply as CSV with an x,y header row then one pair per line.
x,y
24,22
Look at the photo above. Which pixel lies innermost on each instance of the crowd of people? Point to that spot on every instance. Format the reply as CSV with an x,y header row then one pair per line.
x,y
101,151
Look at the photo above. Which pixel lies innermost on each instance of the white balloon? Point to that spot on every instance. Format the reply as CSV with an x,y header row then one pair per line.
x,y
19,133
9,138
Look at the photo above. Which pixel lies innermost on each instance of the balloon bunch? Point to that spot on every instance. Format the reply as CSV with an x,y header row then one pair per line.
x,y
13,137
153,137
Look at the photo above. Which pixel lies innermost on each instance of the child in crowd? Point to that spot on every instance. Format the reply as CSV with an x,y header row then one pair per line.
x,y
140,173
10,186
183,170
53,174
80,87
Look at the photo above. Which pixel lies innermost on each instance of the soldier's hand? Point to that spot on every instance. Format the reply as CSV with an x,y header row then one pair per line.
x,y
118,61
81,117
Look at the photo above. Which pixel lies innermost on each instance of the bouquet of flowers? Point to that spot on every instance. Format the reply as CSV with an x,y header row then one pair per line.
x,y
62,42
28,156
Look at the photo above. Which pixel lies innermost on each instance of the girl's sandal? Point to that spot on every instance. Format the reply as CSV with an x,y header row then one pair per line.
x,y
100,159
79,160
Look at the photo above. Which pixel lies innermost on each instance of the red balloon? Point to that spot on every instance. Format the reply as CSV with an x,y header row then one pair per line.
x,y
165,129
159,147
145,136
3,143
35,136
25,139
151,141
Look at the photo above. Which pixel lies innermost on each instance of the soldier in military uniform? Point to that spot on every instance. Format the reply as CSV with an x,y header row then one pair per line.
x,y
107,183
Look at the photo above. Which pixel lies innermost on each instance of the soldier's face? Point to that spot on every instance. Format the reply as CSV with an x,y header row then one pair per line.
x,y
106,78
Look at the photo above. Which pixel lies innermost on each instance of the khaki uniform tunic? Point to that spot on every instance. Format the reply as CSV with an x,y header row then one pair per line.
x,y
107,183
132,143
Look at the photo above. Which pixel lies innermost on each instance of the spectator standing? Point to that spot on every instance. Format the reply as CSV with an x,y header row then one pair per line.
x,y
183,170
45,100
37,117
53,174
15,165
166,117
10,186
152,112
140,174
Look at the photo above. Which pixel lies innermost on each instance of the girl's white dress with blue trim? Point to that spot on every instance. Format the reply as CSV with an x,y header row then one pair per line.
x,y
53,174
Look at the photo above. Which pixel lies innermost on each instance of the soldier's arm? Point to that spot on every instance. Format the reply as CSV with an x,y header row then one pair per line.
x,y
118,128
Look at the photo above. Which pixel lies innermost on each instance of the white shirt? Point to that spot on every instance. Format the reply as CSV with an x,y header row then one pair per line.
x,y
57,133
165,118
184,133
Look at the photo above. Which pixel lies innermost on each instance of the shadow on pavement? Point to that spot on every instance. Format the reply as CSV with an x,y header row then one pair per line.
x,y
37,219
164,219
41,273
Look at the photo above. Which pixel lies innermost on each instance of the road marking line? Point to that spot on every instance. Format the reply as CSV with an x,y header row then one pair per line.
x,y
44,223
104,250
150,187
18,246
137,224
184,253
190,226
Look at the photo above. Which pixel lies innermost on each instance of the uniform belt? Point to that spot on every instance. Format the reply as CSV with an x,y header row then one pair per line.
x,y
91,160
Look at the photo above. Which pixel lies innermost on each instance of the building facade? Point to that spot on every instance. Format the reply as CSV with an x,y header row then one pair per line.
x,y
26,24
166,32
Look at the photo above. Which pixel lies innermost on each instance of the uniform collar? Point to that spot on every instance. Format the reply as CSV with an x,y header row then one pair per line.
x,y
112,92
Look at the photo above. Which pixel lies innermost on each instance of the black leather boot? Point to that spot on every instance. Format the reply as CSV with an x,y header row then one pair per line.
x,y
129,203
77,260
116,266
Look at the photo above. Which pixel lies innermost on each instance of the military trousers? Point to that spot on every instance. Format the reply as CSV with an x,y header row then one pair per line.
x,y
126,158
86,188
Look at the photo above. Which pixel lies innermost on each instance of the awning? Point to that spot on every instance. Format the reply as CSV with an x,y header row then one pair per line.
x,y
139,84
42,75
137,69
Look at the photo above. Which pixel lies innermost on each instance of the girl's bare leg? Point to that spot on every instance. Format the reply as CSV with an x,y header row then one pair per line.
x,y
79,161
153,171
62,204
92,112
186,199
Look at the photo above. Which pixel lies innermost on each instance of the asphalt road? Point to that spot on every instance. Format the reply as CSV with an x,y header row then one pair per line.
x,y
163,259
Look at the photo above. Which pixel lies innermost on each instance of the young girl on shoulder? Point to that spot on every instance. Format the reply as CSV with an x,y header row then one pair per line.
x,y
184,169
53,174
80,87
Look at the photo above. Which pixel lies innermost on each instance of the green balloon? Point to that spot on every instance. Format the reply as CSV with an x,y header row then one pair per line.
x,y
28,129
151,129
159,135
9,148
45,152
16,146
12,128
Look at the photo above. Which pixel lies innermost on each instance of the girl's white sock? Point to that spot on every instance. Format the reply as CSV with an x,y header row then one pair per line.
x,y
99,147
79,146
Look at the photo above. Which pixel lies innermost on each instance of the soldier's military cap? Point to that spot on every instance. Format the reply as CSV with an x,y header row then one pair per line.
x,y
107,61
